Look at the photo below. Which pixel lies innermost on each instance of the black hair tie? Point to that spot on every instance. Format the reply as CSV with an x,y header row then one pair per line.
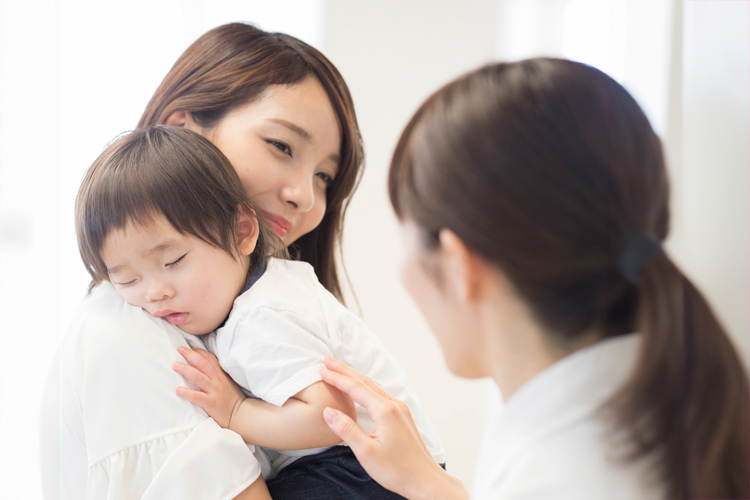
x,y
634,256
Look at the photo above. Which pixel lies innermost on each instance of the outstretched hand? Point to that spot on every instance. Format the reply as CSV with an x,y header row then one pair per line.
x,y
218,394
394,454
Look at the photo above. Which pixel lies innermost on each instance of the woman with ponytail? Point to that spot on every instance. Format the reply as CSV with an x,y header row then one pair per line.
x,y
534,203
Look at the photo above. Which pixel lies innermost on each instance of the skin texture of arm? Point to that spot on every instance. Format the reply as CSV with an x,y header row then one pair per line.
x,y
394,454
298,424
256,491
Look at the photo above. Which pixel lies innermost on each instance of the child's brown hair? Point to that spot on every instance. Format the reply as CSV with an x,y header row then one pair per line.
x,y
170,171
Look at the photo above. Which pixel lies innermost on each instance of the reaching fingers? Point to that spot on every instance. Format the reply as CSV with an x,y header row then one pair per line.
x,y
377,402
368,393
198,360
337,366
345,428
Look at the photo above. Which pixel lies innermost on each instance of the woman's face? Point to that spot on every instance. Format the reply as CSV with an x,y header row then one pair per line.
x,y
430,279
285,147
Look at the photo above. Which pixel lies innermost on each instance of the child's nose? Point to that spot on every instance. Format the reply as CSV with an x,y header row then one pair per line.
x,y
160,291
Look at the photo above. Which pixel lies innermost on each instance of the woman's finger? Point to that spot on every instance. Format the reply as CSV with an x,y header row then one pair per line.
x,y
361,393
346,428
197,360
200,380
378,403
345,370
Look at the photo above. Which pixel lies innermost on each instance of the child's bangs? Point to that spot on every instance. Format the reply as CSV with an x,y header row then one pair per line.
x,y
158,171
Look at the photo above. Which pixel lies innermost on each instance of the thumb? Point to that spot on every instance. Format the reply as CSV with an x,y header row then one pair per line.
x,y
345,428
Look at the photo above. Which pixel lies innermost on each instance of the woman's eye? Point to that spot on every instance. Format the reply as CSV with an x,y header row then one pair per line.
x,y
326,178
283,147
175,263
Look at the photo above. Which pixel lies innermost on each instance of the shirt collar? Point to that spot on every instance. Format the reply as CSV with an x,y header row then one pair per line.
x,y
255,277
569,391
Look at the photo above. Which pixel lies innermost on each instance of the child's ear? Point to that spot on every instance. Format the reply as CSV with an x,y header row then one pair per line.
x,y
247,232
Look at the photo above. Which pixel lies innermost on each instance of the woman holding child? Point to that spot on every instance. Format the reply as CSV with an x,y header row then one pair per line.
x,y
282,114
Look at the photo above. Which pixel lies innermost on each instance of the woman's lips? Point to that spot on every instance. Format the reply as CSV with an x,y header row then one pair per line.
x,y
279,224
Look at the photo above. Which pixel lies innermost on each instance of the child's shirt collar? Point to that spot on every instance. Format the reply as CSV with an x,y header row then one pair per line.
x,y
255,277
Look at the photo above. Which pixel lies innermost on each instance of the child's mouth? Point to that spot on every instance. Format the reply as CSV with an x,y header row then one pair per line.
x,y
176,318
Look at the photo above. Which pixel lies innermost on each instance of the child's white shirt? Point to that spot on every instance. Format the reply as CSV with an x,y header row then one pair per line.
x,y
280,330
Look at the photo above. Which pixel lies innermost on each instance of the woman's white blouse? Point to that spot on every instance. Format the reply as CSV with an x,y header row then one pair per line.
x,y
123,431
546,441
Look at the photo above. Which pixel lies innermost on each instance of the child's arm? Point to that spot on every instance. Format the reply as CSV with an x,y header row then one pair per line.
x,y
296,425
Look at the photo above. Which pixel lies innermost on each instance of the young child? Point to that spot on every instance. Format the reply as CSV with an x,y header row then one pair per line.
x,y
163,217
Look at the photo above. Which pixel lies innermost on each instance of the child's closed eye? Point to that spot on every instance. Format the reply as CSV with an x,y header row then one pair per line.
x,y
176,263
123,285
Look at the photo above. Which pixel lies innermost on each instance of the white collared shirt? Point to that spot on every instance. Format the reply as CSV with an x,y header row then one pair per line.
x,y
546,441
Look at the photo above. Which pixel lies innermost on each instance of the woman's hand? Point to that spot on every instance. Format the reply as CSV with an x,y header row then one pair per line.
x,y
394,454
219,395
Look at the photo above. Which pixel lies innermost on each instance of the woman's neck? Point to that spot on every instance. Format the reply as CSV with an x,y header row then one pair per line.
x,y
518,346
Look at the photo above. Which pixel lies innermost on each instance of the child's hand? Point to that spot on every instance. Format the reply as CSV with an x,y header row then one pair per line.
x,y
219,395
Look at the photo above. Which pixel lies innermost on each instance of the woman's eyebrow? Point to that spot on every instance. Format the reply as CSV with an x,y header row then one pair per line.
x,y
291,126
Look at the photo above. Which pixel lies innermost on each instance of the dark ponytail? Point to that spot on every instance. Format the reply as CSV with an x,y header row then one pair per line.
x,y
688,399
549,169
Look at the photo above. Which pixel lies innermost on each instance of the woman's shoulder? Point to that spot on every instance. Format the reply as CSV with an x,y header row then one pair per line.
x,y
116,368
103,317
108,336
580,462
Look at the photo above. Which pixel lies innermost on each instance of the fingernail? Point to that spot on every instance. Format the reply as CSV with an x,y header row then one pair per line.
x,y
181,348
330,415
176,365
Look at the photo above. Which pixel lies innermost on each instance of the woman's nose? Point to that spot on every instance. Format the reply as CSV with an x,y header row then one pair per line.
x,y
299,192
160,290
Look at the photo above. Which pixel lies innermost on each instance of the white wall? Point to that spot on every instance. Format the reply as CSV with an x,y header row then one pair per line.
x,y
712,177
393,54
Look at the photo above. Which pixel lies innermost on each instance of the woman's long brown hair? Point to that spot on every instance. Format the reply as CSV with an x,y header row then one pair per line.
x,y
233,65
548,168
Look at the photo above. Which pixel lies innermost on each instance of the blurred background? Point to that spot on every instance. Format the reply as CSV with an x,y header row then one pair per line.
x,y
75,73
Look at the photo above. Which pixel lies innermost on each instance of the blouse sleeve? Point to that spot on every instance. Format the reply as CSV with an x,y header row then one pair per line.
x,y
124,433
